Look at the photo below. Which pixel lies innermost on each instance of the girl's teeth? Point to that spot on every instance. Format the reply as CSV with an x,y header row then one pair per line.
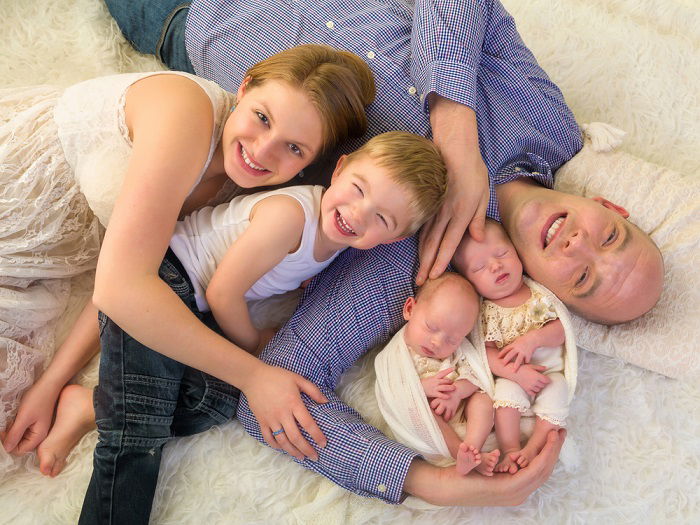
x,y
553,229
249,162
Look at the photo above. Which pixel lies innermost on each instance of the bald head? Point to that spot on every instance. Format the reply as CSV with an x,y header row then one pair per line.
x,y
585,251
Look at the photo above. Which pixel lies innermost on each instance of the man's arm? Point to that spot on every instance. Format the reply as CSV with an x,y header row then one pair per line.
x,y
446,44
356,303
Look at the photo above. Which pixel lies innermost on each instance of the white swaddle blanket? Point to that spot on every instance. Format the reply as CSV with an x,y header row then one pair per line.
x,y
405,407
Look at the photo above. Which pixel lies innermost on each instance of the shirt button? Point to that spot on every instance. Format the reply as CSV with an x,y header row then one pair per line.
x,y
422,98
381,487
517,169
371,55
535,172
412,90
330,24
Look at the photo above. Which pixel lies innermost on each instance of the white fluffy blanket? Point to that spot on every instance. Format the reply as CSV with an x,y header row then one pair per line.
x,y
633,63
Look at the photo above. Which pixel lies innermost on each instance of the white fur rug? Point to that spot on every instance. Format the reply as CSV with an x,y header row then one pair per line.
x,y
632,63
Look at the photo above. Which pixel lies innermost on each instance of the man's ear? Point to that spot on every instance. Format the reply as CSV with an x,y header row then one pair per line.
x,y
243,87
408,308
338,166
612,206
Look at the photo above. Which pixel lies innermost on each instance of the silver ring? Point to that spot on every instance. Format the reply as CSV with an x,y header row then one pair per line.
x,y
278,432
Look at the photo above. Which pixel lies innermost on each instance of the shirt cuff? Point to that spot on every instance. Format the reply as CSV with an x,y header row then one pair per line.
x,y
383,470
453,80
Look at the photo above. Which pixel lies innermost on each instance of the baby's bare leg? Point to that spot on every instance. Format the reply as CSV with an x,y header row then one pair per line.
x,y
75,416
479,413
467,457
536,442
508,435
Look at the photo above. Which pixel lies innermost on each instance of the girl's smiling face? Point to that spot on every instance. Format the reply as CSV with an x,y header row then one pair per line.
x,y
271,135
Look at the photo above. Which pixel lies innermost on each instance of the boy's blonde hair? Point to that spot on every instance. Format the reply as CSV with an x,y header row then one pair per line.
x,y
414,163
338,83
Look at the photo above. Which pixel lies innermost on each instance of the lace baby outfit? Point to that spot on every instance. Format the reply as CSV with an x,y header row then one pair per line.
x,y
203,238
63,157
503,325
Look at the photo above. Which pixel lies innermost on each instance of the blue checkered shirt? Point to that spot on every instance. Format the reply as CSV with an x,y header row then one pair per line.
x,y
467,51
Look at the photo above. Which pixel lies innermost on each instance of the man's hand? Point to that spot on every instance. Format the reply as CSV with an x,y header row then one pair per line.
x,y
445,487
438,386
455,133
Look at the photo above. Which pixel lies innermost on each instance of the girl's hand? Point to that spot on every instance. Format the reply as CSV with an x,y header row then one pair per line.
x,y
445,407
531,379
274,396
33,419
438,386
519,351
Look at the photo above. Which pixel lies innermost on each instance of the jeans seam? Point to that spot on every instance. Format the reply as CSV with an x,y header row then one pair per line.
x,y
166,26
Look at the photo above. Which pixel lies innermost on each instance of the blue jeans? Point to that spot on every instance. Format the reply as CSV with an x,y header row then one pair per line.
x,y
155,27
143,400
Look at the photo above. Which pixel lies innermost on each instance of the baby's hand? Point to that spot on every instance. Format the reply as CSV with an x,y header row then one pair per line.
x,y
438,386
531,379
520,351
445,407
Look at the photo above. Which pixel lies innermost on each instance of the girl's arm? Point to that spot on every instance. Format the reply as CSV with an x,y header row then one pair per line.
x,y
33,419
529,377
522,348
276,226
171,122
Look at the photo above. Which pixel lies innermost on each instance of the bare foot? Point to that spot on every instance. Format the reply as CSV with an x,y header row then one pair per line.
x,y
488,462
508,463
526,455
467,458
75,416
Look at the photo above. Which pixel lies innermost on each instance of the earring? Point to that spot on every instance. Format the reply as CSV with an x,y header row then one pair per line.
x,y
301,174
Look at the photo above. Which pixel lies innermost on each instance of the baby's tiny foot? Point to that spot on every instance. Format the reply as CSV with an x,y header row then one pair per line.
x,y
508,462
467,458
526,455
75,416
488,462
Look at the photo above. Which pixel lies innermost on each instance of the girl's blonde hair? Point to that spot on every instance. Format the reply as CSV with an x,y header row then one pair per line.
x,y
338,83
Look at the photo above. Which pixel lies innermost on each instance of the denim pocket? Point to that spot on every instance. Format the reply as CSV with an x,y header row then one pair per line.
x,y
101,322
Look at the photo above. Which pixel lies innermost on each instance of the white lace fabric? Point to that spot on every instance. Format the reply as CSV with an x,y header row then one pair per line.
x,y
503,325
63,156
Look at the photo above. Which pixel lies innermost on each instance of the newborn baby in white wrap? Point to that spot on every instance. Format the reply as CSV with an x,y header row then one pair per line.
x,y
523,337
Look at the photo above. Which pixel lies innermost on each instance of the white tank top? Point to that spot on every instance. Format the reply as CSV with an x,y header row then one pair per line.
x,y
95,139
202,239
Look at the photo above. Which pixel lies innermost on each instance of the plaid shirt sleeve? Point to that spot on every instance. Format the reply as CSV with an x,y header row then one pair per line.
x,y
446,44
353,305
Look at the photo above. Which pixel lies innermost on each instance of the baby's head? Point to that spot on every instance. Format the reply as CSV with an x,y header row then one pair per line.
x,y
440,316
384,191
492,266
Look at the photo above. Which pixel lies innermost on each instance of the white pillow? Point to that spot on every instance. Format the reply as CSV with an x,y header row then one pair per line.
x,y
665,204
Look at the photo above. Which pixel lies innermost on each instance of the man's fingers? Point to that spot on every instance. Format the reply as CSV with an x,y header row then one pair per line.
x,y
453,235
477,226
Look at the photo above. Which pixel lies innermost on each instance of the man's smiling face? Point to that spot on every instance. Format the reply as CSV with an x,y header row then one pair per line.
x,y
588,254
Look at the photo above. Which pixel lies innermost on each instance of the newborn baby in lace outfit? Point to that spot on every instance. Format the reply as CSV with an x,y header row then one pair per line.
x,y
520,323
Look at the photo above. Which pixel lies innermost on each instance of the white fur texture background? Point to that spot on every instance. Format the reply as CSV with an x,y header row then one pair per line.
x,y
632,63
